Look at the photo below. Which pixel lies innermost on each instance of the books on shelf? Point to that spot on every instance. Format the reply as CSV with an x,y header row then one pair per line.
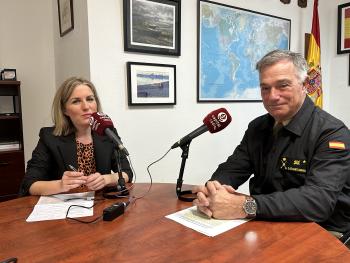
x,y
11,145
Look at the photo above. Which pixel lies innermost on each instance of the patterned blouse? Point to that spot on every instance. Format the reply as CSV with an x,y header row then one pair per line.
x,y
86,162
86,158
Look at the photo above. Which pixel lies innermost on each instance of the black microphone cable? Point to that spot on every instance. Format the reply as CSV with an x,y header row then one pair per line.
x,y
117,209
134,198
86,207
150,176
105,216
114,193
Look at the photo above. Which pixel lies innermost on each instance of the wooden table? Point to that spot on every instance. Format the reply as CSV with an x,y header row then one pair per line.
x,y
143,234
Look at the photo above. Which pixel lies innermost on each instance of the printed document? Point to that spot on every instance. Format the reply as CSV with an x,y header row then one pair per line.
x,y
196,220
55,206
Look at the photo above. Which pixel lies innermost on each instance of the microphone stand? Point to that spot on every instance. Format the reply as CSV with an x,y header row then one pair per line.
x,y
112,192
180,194
121,181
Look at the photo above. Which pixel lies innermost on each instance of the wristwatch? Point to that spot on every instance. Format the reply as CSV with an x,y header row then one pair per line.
x,y
250,207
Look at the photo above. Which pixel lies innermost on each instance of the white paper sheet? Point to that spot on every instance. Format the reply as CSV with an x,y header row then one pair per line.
x,y
56,206
191,218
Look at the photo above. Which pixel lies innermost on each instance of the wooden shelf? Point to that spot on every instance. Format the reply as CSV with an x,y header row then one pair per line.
x,y
11,160
9,82
11,151
9,117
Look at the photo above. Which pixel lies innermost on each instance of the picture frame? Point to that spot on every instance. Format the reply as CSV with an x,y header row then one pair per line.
x,y
152,26
151,84
230,41
65,16
8,74
343,42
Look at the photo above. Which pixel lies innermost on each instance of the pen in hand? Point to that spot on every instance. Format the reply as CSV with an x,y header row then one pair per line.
x,y
72,168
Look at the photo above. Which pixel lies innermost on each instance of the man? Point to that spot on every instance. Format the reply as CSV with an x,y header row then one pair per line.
x,y
298,153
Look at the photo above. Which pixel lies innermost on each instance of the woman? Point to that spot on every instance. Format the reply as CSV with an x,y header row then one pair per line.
x,y
71,145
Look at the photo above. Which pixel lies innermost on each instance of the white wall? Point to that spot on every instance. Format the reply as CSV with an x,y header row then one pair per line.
x,y
337,65
26,44
149,131
72,50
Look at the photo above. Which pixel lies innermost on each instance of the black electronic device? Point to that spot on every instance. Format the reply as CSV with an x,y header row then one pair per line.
x,y
112,212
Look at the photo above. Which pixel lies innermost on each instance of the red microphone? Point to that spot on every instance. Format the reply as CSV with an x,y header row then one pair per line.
x,y
103,125
214,122
99,122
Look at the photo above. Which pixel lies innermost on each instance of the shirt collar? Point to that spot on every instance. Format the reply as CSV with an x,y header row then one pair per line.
x,y
297,124
284,123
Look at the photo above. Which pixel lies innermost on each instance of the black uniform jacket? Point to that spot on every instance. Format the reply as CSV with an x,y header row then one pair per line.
x,y
53,154
302,175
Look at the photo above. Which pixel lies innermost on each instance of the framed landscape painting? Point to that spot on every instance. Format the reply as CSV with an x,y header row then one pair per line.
x,y
152,26
151,84
230,42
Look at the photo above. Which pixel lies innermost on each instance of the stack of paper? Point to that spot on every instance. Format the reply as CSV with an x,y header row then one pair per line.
x,y
191,218
56,206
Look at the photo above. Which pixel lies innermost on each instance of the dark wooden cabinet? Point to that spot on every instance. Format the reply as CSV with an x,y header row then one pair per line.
x,y
11,139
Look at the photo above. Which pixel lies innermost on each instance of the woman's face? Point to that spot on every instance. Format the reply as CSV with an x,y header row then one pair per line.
x,y
80,105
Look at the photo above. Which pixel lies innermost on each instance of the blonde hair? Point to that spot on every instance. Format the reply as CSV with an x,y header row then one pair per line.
x,y
63,124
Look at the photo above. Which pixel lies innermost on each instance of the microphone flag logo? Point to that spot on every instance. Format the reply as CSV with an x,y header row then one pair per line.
x,y
99,122
93,123
222,117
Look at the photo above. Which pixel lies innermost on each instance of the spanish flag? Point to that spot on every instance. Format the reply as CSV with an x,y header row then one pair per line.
x,y
336,145
313,83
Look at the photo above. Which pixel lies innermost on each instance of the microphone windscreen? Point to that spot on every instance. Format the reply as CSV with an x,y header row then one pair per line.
x,y
99,122
217,120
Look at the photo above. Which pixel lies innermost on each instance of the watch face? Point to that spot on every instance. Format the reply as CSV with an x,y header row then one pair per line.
x,y
250,207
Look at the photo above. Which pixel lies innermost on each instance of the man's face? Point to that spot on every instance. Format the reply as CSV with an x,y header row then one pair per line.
x,y
281,91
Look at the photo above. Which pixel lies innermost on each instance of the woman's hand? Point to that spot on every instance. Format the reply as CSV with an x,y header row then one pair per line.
x,y
95,181
71,180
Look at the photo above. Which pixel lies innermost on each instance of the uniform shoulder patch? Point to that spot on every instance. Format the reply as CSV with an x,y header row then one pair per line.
x,y
336,145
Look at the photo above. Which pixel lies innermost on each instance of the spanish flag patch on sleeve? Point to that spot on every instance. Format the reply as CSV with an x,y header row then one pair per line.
x,y
336,145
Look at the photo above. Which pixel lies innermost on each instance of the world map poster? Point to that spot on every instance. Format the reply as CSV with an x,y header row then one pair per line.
x,y
231,41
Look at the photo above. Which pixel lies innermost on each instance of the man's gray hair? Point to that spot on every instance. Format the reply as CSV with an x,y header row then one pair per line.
x,y
278,55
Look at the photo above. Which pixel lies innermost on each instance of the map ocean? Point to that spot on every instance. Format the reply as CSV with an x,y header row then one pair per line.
x,y
231,42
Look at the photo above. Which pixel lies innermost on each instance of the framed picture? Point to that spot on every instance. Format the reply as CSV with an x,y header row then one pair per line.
x,y
151,84
8,74
65,16
231,41
343,40
152,26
